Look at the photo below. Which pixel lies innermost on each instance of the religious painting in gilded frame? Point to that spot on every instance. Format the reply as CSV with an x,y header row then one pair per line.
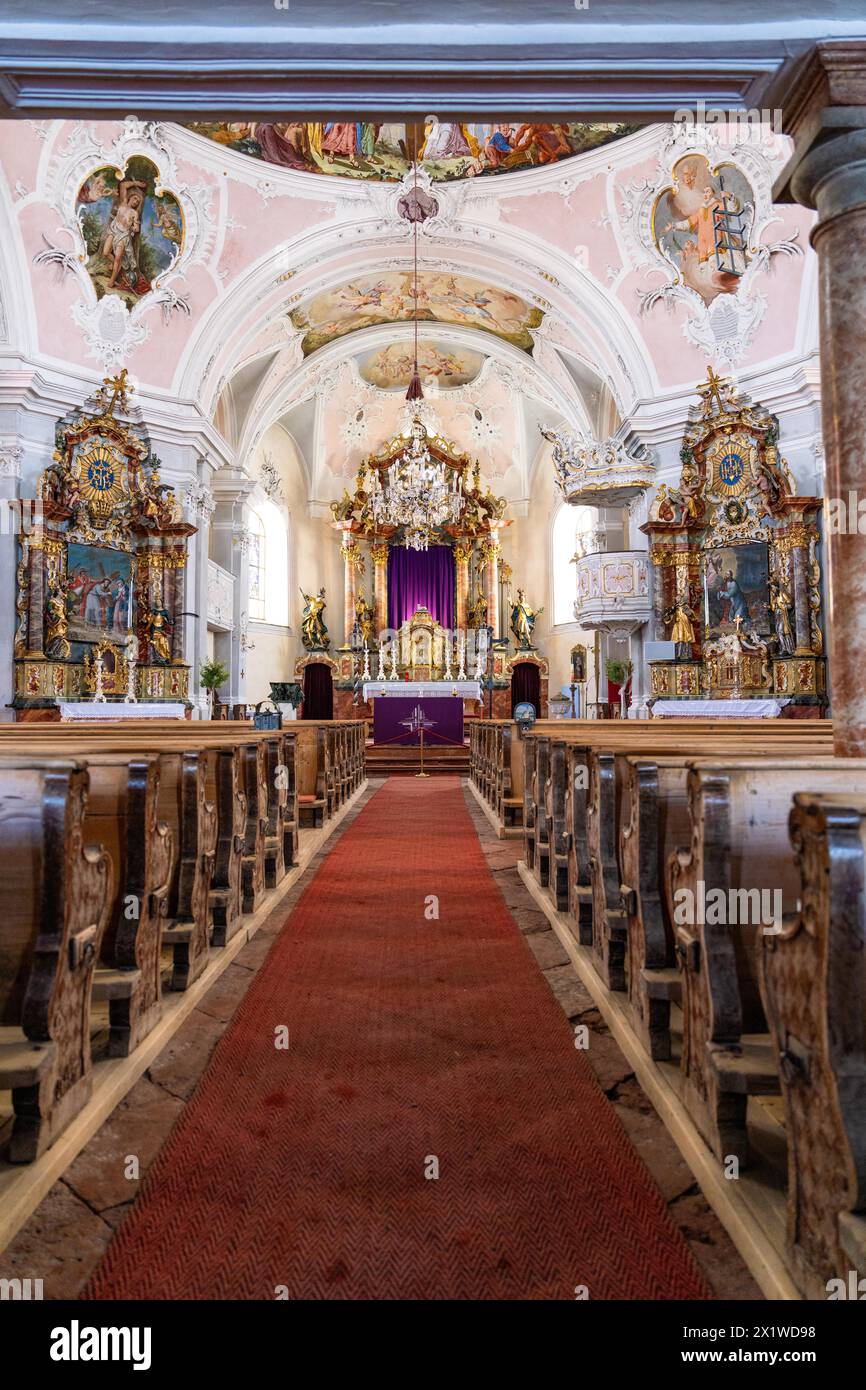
x,y
737,585
98,593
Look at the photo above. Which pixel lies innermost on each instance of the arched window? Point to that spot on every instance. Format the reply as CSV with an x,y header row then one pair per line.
x,y
257,568
268,565
569,523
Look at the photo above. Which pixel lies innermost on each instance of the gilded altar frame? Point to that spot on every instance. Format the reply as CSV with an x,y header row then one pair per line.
x,y
101,505
736,499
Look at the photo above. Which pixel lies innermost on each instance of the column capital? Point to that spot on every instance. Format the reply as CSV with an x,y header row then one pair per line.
x,y
380,553
490,548
824,112
463,552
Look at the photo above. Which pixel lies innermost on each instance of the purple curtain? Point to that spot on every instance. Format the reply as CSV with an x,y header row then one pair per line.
x,y
318,692
525,686
421,578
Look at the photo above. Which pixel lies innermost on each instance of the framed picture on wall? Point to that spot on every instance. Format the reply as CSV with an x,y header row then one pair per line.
x,y
737,585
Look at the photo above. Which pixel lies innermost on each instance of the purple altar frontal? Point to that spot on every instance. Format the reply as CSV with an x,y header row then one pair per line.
x,y
396,719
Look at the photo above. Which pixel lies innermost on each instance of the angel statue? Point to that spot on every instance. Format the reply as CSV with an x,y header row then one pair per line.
x,y
523,620
314,634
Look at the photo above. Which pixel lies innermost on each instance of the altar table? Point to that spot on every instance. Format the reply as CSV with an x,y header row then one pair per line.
x,y
76,710
718,709
395,703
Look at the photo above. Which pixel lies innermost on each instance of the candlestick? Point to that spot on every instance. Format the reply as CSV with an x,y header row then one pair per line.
x,y
131,698
99,695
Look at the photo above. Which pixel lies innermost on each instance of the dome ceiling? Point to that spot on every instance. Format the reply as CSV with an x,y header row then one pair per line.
x,y
382,151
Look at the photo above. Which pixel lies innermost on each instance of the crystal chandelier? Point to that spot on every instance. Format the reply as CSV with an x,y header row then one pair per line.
x,y
417,493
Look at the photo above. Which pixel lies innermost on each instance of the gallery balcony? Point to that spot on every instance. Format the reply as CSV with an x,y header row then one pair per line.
x,y
613,591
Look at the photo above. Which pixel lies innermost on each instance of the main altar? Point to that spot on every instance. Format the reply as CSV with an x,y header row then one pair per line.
x,y
101,567
426,532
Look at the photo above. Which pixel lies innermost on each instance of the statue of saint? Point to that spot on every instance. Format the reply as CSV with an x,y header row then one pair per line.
x,y
781,604
477,615
683,630
523,620
158,626
314,634
365,615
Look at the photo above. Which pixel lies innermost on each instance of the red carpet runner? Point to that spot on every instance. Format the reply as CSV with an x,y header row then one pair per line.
x,y
413,1042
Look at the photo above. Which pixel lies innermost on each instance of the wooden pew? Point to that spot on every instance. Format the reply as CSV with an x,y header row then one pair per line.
x,y
496,761
122,815
738,813
57,895
609,809
813,985
311,746
572,835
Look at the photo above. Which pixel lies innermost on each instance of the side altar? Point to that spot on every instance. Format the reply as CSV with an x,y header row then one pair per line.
x,y
101,570
737,579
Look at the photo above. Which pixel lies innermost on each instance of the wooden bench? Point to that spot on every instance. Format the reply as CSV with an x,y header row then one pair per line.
x,y
813,984
57,898
738,813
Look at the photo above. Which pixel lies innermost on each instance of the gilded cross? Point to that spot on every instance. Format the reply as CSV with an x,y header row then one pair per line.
x,y
711,390
119,387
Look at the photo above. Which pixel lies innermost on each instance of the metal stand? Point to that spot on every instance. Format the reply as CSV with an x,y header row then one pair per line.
x,y
422,773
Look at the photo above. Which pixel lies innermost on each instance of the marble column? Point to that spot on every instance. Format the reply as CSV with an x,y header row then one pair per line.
x,y
491,551
826,115
231,543
380,585
351,559
11,455
462,556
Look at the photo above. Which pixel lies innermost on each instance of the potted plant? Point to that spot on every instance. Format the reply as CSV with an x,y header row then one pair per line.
x,y
212,675
618,673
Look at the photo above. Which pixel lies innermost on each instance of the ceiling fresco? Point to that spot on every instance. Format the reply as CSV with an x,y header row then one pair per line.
x,y
439,364
370,150
442,298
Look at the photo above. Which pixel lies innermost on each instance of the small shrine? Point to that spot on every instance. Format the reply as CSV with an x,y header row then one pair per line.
x,y
101,568
737,587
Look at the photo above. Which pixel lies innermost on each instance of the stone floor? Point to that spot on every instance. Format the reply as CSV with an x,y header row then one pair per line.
x,y
66,1236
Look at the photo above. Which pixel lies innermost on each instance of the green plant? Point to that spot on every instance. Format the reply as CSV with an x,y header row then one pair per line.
x,y
618,671
213,674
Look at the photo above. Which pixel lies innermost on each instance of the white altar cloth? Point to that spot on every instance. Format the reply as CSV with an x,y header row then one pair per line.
x,y
466,690
718,709
116,709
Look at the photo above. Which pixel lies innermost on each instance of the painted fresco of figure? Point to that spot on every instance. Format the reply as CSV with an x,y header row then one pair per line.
x,y
342,138
444,141
121,238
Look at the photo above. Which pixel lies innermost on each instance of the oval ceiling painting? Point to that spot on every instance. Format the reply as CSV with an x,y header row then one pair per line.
x,y
389,298
439,364
373,150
